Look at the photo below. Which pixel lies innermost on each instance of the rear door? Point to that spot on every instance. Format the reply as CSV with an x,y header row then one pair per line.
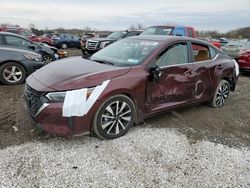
x,y
176,84
205,66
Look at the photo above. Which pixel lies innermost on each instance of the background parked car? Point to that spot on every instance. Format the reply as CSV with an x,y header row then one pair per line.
x,y
170,30
84,39
65,41
48,53
244,61
17,64
236,48
28,34
95,44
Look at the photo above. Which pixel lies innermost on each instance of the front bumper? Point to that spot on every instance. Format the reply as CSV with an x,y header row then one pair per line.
x,y
49,117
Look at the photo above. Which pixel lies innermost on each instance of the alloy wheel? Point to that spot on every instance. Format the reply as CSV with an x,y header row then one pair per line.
x,y
222,94
12,74
47,59
116,117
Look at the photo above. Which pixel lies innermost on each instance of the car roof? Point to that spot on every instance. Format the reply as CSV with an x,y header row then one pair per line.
x,y
13,34
167,39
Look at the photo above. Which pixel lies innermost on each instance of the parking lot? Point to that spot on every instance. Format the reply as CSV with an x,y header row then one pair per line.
x,y
198,144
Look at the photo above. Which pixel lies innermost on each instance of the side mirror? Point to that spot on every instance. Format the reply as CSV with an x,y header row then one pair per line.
x,y
156,72
32,46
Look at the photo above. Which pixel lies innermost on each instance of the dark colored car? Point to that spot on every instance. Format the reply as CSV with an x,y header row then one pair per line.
x,y
11,40
17,64
244,61
184,31
65,41
130,80
84,39
96,44
28,34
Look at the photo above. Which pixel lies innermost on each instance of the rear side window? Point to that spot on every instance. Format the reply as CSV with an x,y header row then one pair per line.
x,y
174,55
1,40
201,52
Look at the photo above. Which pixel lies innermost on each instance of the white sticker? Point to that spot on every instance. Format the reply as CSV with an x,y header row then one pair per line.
x,y
237,68
76,102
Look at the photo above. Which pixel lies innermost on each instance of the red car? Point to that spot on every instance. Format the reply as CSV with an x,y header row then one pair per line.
x,y
28,34
244,61
127,82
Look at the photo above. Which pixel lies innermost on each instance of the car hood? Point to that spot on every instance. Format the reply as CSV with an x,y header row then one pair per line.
x,y
102,39
73,73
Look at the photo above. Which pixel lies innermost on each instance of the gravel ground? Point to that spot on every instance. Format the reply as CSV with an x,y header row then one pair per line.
x,y
143,158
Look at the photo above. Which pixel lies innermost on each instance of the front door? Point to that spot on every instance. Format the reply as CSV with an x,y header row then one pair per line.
x,y
176,84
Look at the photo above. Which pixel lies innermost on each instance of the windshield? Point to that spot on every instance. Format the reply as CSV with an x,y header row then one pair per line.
x,y
126,52
157,31
116,35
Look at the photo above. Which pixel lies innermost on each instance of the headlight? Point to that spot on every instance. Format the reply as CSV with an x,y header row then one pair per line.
x,y
60,96
56,96
33,57
104,44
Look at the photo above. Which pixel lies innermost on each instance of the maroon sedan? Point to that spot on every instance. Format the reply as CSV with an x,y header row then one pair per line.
x,y
130,80
244,61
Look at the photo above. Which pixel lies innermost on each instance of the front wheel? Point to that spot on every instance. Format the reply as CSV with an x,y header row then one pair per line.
x,y
114,117
47,59
221,94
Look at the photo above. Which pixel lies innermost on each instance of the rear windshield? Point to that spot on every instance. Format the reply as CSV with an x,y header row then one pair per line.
x,y
158,31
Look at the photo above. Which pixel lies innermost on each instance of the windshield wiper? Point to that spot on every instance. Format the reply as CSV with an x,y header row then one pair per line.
x,y
104,62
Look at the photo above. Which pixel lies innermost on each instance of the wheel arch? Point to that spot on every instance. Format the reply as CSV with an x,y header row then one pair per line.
x,y
231,82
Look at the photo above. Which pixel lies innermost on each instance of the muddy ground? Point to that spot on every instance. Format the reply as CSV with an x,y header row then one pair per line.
x,y
229,125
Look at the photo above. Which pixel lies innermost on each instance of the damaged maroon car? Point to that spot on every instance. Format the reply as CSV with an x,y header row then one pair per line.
x,y
127,82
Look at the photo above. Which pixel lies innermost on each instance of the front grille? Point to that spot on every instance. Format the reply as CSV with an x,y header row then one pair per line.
x,y
32,99
91,45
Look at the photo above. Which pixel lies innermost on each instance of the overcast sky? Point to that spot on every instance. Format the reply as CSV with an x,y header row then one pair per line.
x,y
221,15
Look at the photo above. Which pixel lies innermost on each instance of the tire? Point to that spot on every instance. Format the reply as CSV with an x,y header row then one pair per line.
x,y
12,73
110,123
64,46
221,94
47,59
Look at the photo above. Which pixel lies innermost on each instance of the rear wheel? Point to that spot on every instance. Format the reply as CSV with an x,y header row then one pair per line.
x,y
221,94
64,46
12,73
114,117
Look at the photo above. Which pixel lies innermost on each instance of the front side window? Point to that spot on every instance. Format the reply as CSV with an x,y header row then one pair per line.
x,y
175,54
201,52
16,41
126,52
